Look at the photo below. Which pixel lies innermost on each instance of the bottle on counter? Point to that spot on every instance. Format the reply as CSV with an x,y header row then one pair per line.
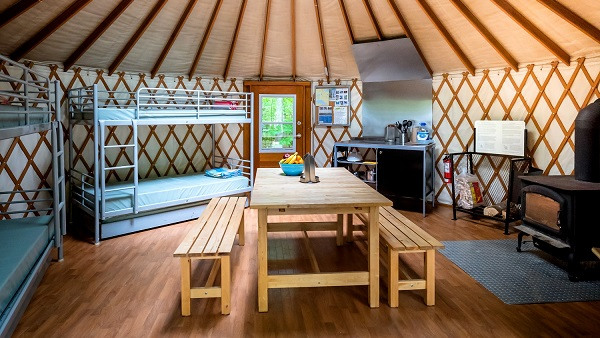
x,y
422,133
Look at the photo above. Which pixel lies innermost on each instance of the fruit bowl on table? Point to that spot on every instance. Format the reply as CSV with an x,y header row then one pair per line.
x,y
292,169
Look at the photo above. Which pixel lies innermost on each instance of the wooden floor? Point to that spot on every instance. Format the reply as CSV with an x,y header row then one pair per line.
x,y
129,287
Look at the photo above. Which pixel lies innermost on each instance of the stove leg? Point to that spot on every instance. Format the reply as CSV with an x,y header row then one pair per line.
x,y
520,241
572,268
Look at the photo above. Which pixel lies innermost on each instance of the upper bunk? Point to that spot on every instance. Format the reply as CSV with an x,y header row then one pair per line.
x,y
27,100
158,106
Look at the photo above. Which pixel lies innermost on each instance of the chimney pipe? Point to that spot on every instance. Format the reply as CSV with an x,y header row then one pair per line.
x,y
587,143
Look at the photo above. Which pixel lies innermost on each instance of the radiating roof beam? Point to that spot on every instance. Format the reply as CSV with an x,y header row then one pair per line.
x,y
535,32
264,44
449,39
15,10
184,16
136,36
211,24
102,27
574,19
235,36
466,12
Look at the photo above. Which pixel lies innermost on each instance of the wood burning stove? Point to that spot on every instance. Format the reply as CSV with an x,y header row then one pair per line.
x,y
559,212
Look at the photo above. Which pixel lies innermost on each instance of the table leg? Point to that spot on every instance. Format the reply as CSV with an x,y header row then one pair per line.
x,y
373,256
263,291
350,228
339,238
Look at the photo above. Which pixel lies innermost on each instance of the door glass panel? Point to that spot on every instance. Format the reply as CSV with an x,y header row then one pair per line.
x,y
277,123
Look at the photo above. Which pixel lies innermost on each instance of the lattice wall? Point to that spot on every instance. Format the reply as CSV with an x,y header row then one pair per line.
x,y
325,137
546,97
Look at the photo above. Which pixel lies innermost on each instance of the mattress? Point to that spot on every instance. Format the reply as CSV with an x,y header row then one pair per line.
x,y
22,241
129,113
181,189
9,120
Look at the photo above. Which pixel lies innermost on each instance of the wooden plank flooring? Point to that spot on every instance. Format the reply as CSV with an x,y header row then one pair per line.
x,y
129,287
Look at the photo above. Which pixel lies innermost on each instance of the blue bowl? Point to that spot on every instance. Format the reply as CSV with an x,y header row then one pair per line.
x,y
292,169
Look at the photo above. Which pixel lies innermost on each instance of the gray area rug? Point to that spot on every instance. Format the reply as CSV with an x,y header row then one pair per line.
x,y
530,276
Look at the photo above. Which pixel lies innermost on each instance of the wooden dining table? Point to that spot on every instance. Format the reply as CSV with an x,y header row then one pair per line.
x,y
339,193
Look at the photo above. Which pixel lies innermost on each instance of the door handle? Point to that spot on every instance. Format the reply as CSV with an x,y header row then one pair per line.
x,y
298,135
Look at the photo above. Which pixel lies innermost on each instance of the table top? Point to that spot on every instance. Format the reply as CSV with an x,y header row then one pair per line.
x,y
337,188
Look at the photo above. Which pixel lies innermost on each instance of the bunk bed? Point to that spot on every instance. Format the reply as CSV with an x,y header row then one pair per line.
x,y
30,104
109,208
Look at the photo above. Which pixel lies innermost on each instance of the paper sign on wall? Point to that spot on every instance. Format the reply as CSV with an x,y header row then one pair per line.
x,y
500,137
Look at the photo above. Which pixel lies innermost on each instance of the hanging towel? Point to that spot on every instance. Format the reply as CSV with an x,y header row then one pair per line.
x,y
223,173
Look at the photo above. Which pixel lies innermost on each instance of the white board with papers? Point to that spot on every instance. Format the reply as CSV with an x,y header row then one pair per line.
x,y
500,137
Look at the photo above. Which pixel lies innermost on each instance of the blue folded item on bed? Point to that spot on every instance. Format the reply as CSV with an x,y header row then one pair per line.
x,y
223,173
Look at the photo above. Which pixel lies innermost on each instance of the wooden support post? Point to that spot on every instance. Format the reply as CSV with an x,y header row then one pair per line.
x,y
393,277
241,236
186,266
225,285
263,291
339,239
350,228
373,256
430,277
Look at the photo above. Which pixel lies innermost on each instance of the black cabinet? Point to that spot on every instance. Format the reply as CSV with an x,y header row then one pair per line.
x,y
403,173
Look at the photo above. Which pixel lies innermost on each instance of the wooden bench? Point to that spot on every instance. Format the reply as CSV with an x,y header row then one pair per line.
x,y
398,234
211,237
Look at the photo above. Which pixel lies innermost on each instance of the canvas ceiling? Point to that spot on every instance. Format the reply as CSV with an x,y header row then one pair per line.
x,y
278,60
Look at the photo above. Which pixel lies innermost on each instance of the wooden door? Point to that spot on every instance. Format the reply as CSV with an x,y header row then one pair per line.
x,y
282,120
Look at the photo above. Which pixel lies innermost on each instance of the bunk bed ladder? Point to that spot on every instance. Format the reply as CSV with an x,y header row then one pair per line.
x,y
105,169
58,176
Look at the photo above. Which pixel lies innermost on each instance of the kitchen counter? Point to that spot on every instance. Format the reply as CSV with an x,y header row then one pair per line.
x,y
381,144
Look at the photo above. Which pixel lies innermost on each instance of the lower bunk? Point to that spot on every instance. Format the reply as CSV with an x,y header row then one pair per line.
x,y
25,247
160,201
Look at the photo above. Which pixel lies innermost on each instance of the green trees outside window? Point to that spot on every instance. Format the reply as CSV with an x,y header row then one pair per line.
x,y
277,122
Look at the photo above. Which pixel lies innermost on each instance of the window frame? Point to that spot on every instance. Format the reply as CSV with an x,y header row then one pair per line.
x,y
260,124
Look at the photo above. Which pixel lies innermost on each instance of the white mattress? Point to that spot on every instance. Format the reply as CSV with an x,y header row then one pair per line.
x,y
129,113
181,188
8,120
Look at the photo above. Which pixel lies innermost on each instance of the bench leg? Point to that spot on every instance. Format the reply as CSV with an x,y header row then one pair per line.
x,y
241,238
339,239
225,285
430,277
186,266
263,291
350,228
393,277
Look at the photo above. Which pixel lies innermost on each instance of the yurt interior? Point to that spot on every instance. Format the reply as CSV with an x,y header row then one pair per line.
x,y
424,168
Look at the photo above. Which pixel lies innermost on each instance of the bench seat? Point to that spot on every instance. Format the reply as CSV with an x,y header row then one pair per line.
x,y
212,237
398,234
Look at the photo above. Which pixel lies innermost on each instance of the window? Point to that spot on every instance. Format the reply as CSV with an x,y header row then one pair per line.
x,y
277,123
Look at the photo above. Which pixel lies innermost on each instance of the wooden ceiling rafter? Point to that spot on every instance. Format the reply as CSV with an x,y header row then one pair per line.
x,y
238,26
50,28
95,35
347,21
265,37
409,34
136,36
209,27
572,18
184,16
322,41
372,18
293,14
16,10
466,12
535,32
446,35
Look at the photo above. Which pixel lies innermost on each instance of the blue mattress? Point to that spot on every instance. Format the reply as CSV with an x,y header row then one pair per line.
x,y
129,113
22,241
181,188
9,120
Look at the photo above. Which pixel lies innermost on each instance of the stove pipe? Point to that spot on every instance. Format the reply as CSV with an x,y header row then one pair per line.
x,y
587,143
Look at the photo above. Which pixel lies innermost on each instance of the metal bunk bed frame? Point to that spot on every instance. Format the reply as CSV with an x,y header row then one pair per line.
x,y
153,106
35,88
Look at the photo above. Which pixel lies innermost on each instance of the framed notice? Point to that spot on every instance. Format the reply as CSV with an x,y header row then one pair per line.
x,y
500,137
332,105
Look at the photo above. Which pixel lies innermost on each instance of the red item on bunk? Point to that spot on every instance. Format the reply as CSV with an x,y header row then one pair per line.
x,y
233,105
